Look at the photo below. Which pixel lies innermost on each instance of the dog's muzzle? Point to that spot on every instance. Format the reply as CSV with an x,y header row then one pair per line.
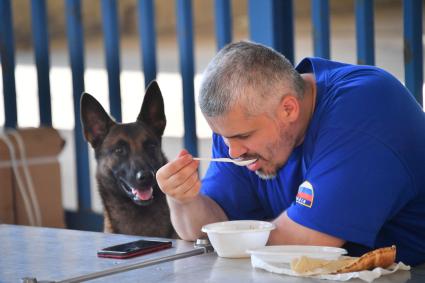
x,y
140,196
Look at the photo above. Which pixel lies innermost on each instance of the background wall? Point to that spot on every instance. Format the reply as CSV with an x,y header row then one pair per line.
x,y
165,17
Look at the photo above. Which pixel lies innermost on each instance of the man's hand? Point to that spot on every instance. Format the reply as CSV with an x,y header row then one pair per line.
x,y
179,179
189,210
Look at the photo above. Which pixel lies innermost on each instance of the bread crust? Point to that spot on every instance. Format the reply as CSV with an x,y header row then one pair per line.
x,y
383,257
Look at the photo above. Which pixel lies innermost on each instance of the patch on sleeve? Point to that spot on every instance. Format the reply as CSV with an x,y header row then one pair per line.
x,y
305,195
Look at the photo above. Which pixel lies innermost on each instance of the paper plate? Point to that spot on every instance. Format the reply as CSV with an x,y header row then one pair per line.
x,y
285,254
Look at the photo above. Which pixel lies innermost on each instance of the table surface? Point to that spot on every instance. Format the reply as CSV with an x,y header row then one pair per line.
x,y
59,254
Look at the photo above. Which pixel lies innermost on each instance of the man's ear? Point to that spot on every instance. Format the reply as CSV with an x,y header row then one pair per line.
x,y
289,108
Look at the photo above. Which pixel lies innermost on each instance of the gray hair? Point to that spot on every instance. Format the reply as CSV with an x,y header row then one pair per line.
x,y
249,71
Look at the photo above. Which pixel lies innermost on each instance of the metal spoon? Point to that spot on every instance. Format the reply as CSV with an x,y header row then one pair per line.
x,y
239,162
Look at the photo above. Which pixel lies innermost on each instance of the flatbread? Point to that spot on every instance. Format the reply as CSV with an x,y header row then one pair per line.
x,y
383,257
311,266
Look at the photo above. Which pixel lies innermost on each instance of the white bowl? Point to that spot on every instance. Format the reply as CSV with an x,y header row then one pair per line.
x,y
285,254
233,238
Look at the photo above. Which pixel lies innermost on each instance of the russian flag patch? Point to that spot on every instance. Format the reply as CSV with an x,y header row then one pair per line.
x,y
305,195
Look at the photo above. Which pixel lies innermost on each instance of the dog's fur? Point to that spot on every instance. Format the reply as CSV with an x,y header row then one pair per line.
x,y
128,156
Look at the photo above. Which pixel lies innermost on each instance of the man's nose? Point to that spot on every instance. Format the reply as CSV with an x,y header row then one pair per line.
x,y
236,149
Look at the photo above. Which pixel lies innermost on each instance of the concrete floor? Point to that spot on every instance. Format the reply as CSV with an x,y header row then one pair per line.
x,y
389,55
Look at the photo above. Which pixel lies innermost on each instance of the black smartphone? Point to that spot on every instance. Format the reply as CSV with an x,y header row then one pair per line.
x,y
135,248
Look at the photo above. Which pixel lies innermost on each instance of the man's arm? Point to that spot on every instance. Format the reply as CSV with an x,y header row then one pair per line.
x,y
188,218
189,210
288,232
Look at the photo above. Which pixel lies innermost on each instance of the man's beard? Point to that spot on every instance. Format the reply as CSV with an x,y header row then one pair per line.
x,y
265,176
285,140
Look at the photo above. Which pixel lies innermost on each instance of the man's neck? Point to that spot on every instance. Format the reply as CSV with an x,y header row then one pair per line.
x,y
308,104
310,93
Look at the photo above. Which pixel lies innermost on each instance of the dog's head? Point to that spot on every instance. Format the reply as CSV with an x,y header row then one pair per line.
x,y
128,155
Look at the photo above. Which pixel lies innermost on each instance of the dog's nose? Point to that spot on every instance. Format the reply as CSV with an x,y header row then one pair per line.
x,y
144,175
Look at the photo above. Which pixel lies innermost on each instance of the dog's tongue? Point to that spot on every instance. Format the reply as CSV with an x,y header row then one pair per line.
x,y
143,195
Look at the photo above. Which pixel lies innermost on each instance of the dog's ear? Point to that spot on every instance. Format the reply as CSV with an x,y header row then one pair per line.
x,y
152,111
94,119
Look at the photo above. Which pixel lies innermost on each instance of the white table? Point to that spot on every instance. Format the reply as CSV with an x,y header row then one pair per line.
x,y
58,254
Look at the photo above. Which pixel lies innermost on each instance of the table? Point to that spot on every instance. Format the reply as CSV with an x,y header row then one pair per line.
x,y
58,254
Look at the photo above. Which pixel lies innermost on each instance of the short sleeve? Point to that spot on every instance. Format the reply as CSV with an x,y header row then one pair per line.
x,y
354,184
231,186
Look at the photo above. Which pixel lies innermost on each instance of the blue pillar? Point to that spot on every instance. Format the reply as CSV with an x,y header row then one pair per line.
x,y
271,23
365,32
223,22
185,40
413,50
321,29
112,51
41,49
147,39
7,57
76,55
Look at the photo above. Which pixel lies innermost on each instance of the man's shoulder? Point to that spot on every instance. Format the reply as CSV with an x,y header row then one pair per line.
x,y
321,65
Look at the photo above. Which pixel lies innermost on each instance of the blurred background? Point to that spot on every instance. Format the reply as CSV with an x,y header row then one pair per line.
x,y
388,25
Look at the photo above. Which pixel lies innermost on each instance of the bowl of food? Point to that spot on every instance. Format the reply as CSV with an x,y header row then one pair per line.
x,y
233,238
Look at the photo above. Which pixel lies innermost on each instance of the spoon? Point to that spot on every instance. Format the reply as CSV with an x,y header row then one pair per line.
x,y
239,162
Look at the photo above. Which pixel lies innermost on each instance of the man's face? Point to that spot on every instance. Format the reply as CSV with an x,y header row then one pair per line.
x,y
269,138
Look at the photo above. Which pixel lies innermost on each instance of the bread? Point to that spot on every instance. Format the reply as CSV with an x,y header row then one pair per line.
x,y
311,266
383,257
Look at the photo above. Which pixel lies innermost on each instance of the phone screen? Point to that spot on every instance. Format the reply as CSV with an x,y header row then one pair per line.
x,y
135,248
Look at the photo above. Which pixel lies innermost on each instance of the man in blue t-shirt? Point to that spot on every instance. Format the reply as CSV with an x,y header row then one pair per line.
x,y
340,154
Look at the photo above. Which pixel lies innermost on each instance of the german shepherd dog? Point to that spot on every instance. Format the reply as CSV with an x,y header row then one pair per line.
x,y
128,156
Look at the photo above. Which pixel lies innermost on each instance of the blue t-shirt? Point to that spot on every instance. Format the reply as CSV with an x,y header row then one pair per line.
x,y
359,174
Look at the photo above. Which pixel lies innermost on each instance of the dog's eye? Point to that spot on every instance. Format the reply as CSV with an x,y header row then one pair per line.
x,y
150,145
119,150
